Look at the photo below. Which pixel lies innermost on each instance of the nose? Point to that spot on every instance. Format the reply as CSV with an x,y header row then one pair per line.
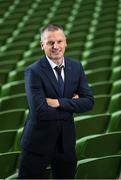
x,y
55,45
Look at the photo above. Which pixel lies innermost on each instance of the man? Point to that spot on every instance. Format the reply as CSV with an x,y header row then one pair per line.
x,y
56,87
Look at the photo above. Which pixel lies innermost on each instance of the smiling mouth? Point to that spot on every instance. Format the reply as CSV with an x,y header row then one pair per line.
x,y
56,52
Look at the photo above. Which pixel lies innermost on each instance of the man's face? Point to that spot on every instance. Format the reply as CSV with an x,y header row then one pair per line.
x,y
54,44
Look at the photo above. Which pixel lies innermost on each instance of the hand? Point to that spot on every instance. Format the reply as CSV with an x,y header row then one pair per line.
x,y
76,96
53,102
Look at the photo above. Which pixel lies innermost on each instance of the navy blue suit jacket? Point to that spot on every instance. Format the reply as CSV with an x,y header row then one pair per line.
x,y
44,123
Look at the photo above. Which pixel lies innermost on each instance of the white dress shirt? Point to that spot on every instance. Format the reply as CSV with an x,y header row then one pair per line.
x,y
53,65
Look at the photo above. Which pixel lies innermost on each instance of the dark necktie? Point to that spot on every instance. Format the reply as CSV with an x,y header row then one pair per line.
x,y
60,79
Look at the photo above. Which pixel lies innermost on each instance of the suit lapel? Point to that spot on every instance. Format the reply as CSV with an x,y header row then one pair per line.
x,y
67,77
47,70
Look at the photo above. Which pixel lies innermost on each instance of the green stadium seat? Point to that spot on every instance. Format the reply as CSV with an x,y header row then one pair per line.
x,y
13,88
116,88
116,61
10,22
101,88
12,176
25,62
3,39
27,36
115,103
90,125
106,41
74,46
99,145
11,119
16,75
0,88
7,139
106,19
47,174
100,106
107,167
17,146
6,31
94,37
99,58
74,54
8,65
115,122
22,45
3,76
8,163
74,36
105,50
80,30
15,55
103,62
37,52
116,73
98,75
105,28
13,102
4,5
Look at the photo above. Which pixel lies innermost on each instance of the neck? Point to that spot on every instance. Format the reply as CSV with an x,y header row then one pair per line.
x,y
58,61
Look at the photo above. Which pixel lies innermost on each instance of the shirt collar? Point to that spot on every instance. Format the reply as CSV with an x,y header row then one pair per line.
x,y
52,64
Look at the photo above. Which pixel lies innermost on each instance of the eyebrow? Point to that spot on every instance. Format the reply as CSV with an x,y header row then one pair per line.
x,y
51,41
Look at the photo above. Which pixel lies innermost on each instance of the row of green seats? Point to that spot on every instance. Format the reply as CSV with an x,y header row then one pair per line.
x,y
85,125
103,75
98,88
97,124
93,75
98,168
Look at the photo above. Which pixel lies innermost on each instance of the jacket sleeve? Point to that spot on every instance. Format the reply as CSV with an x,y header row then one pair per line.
x,y
85,101
37,99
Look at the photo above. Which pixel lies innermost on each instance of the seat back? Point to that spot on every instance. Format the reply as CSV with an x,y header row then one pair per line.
x,y
90,125
99,145
8,163
11,119
7,139
99,168
115,122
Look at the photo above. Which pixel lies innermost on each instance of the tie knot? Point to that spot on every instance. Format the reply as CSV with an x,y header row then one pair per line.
x,y
58,69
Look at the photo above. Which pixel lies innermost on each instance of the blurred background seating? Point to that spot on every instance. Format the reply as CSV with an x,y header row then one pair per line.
x,y
93,34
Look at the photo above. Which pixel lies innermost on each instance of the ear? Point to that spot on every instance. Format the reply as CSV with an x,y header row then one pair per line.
x,y
66,43
41,45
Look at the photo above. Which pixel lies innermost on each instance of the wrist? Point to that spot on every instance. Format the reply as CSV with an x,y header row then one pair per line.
x,y
57,102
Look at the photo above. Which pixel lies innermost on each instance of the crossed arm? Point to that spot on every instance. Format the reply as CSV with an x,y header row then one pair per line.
x,y
55,103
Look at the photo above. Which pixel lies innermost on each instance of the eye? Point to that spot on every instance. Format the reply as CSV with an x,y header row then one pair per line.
x,y
50,43
60,41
